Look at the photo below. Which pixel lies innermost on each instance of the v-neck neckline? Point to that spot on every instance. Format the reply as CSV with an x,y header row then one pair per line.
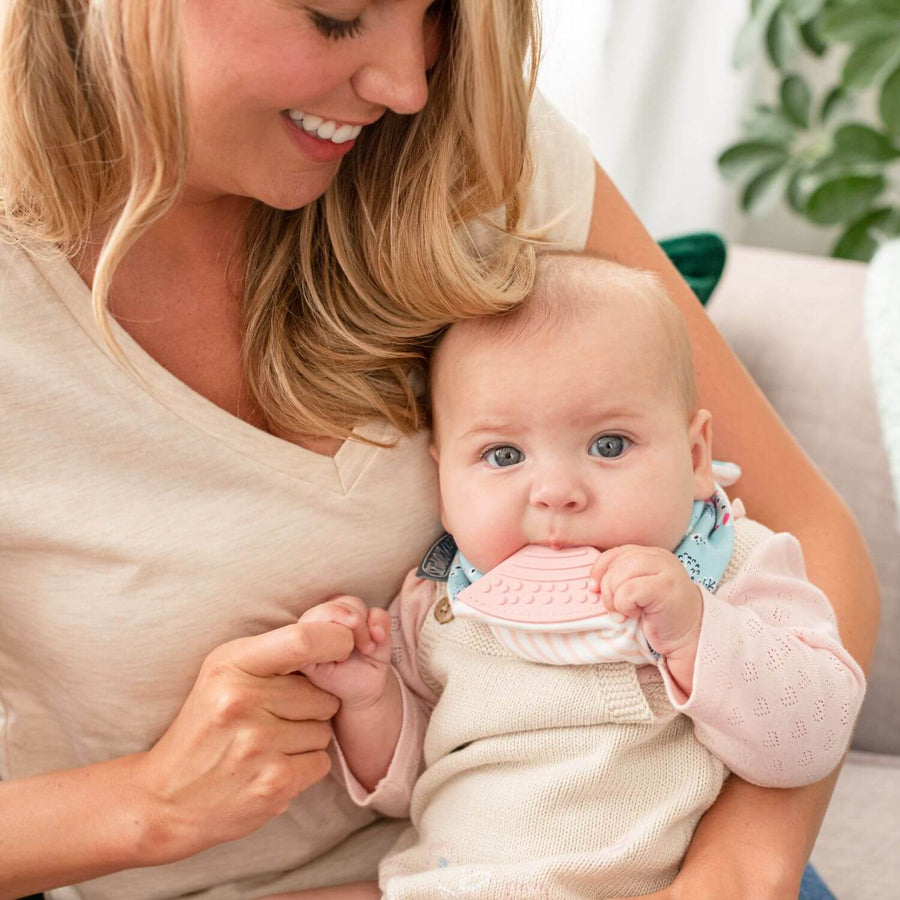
x,y
337,473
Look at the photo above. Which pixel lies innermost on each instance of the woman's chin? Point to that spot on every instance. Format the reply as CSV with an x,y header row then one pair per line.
x,y
295,193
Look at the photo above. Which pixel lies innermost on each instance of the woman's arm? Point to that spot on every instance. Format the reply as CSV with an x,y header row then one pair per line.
x,y
249,738
756,841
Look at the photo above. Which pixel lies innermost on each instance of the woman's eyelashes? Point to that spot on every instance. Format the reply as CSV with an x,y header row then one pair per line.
x,y
609,446
336,29
503,456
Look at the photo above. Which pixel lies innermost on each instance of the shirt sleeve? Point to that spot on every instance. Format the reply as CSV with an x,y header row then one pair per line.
x,y
392,794
561,200
775,694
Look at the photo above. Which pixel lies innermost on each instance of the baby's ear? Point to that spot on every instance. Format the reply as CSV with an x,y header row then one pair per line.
x,y
700,438
436,456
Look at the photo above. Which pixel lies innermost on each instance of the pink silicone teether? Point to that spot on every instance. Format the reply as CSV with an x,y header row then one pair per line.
x,y
537,585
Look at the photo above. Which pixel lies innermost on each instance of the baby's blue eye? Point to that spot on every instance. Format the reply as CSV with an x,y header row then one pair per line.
x,y
609,446
501,457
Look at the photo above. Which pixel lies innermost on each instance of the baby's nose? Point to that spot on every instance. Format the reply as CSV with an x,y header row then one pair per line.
x,y
560,493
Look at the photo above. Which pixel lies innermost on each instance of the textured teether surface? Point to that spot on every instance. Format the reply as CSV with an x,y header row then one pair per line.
x,y
538,585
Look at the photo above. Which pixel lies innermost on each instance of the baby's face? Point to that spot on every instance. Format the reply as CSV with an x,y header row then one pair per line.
x,y
571,437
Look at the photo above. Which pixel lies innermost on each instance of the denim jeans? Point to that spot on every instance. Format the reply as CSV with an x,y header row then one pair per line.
x,y
811,888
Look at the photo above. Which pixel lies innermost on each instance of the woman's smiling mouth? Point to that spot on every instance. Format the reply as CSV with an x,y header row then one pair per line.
x,y
324,129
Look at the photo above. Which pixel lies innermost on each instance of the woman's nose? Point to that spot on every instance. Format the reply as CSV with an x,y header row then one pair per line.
x,y
395,78
558,492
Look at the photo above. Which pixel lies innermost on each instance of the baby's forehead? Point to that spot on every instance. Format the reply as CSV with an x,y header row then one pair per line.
x,y
621,315
554,314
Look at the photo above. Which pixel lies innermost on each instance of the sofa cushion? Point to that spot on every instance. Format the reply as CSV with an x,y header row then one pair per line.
x,y
797,324
858,849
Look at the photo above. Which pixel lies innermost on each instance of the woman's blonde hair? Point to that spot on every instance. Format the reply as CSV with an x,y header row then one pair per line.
x,y
340,298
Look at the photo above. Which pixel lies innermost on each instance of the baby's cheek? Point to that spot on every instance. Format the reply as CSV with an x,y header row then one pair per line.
x,y
486,538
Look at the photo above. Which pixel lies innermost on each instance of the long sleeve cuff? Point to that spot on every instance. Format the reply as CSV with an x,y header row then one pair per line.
x,y
774,694
392,794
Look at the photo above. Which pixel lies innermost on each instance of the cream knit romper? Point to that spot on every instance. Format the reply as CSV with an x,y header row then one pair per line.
x,y
546,782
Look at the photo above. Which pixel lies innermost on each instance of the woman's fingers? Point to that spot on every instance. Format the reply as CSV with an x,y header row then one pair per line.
x,y
296,698
286,649
294,738
308,769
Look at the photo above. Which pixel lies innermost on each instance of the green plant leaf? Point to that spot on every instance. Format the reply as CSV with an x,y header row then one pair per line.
x,y
866,62
891,7
762,191
804,9
843,198
836,101
857,241
807,178
748,157
797,193
812,37
856,143
782,40
768,123
857,24
889,101
796,99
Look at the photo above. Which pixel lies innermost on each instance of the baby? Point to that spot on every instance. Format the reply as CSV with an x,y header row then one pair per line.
x,y
572,423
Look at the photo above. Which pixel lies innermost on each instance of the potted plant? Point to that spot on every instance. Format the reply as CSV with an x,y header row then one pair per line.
x,y
833,157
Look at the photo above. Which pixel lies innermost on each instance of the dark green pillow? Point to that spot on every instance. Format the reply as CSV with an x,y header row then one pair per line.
x,y
700,258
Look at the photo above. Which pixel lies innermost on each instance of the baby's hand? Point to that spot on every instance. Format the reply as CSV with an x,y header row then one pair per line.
x,y
651,584
360,679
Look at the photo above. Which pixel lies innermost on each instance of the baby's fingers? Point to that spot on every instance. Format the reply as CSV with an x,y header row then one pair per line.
x,y
602,565
379,624
380,630
627,599
374,632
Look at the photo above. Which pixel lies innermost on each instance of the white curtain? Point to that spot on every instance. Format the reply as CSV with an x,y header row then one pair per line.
x,y
650,82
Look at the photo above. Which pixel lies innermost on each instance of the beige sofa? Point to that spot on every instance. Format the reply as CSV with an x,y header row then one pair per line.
x,y
797,324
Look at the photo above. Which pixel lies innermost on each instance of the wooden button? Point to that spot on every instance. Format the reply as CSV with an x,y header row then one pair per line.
x,y
442,611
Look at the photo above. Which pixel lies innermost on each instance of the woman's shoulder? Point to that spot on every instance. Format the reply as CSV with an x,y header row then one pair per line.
x,y
562,193
37,289
23,270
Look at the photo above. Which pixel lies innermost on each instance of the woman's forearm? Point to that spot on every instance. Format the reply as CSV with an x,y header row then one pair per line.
x,y
63,827
754,840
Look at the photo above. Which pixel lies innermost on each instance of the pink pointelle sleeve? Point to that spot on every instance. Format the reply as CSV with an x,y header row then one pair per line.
x,y
775,693
392,794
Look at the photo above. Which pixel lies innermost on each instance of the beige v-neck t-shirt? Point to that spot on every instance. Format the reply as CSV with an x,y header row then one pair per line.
x,y
141,526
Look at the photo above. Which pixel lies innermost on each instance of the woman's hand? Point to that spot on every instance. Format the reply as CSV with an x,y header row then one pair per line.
x,y
250,737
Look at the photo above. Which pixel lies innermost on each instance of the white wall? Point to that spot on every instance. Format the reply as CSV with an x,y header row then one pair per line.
x,y
650,82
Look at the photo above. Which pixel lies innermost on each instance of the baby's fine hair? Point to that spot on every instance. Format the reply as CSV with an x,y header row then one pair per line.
x,y
569,286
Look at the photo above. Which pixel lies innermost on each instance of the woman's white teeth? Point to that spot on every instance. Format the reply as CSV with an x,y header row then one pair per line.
x,y
325,129
342,134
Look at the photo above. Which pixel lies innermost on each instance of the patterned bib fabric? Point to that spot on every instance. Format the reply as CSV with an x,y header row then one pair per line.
x,y
537,605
